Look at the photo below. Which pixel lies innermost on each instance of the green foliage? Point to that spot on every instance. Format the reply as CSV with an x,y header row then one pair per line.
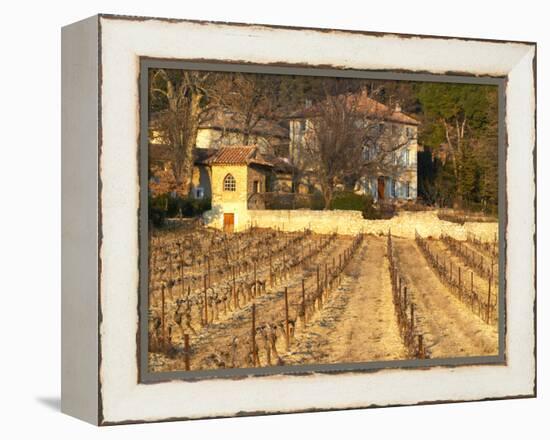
x,y
469,173
451,102
445,184
157,210
348,200
317,202
159,202
284,200
369,211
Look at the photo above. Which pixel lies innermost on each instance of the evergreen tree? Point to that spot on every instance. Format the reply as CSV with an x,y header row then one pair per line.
x,y
462,119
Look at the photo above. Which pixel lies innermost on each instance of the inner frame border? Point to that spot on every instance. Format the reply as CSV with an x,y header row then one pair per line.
x,y
147,377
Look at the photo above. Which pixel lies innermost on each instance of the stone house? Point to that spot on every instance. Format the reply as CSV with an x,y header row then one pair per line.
x,y
398,134
237,174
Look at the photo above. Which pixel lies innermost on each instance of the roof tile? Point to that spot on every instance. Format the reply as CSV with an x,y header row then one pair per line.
x,y
232,156
366,105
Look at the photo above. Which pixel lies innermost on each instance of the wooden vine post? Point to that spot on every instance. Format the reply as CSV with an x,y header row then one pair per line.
x,y
163,317
205,303
318,289
270,270
339,269
186,348
209,272
489,301
255,280
304,301
287,329
182,278
235,299
253,334
326,280
170,265
398,285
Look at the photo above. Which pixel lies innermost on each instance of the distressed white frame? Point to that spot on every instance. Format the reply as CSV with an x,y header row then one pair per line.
x,y
123,41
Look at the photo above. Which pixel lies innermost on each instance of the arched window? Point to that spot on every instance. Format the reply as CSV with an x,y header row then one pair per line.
x,y
229,183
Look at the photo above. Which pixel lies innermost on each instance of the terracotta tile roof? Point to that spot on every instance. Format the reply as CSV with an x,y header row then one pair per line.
x,y
237,155
232,156
366,105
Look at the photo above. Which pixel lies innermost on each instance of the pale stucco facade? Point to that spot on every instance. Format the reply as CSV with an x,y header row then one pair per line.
x,y
402,184
229,202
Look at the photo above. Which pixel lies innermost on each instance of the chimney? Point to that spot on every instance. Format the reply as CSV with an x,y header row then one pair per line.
x,y
397,107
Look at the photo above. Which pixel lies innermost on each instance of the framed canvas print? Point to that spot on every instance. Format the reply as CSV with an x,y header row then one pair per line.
x,y
337,219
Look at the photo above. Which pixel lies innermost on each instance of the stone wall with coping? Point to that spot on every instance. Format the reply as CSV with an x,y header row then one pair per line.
x,y
352,222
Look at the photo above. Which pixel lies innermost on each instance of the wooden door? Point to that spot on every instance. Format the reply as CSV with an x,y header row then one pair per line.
x,y
381,187
228,222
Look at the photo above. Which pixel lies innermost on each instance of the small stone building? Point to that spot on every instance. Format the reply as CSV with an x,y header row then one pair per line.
x,y
237,174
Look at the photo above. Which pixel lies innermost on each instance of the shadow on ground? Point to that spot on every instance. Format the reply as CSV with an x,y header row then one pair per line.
x,y
52,403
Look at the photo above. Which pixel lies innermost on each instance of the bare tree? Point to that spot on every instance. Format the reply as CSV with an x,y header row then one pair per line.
x,y
252,98
186,99
347,138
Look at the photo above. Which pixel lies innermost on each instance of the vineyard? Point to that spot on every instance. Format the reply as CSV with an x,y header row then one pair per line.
x,y
266,297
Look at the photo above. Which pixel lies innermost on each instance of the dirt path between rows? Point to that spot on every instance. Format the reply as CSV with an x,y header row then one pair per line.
x,y
358,324
451,329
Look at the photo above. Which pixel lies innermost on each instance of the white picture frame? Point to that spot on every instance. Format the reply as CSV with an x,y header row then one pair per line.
x,y
101,201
